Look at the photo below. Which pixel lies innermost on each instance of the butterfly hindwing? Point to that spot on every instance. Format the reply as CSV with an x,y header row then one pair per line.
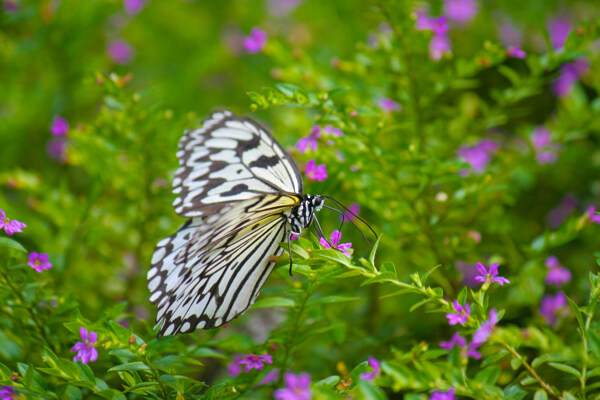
x,y
212,269
228,159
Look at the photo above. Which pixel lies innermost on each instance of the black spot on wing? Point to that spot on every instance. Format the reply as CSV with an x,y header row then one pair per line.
x,y
266,162
237,189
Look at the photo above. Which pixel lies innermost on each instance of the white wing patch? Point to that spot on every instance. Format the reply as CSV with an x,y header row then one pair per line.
x,y
212,269
229,159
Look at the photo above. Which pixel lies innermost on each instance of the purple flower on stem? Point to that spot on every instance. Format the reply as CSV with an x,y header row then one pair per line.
x,y
336,236
515,52
461,11
438,47
297,387
39,262
133,7
10,226
85,349
482,334
353,210
389,105
490,276
559,29
7,393
256,42
461,316
59,127
569,75
330,130
310,141
120,51
437,395
455,340
557,274
438,25
315,172
233,367
269,378
553,307
374,364
254,361
592,215
478,156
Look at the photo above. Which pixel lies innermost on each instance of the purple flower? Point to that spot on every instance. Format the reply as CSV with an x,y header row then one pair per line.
x,y
336,236
254,361
59,127
437,395
468,351
515,52
510,35
294,237
256,41
7,393
569,75
233,367
557,274
461,316
133,7
315,172
297,387
591,215
455,340
490,276
540,137
482,334
553,307
120,51
546,151
310,141
353,210
389,105
438,47
439,25
10,226
269,378
374,364
562,211
479,155
461,11
330,130
282,8
57,148
39,262
85,349
559,29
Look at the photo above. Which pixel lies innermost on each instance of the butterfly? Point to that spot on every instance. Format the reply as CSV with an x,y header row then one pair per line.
x,y
243,196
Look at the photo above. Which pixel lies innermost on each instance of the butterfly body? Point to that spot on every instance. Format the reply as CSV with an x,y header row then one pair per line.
x,y
243,196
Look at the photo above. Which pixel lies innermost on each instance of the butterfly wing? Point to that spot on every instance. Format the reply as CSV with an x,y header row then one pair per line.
x,y
212,269
229,159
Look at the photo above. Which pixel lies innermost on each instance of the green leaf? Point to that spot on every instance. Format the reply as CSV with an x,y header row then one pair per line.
x,y
578,315
72,393
546,358
329,381
332,299
132,366
370,392
566,368
332,255
373,252
271,302
488,375
513,392
207,353
12,244
381,277
426,276
540,395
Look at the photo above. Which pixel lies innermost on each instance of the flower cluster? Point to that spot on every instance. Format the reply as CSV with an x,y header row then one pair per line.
x,y
297,387
311,142
440,43
461,316
570,73
554,307
315,172
255,361
7,393
10,226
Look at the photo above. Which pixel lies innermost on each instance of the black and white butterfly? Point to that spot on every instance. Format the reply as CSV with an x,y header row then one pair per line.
x,y
243,195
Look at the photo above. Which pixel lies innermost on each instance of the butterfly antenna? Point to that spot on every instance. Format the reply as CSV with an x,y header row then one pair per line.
x,y
341,213
320,231
351,221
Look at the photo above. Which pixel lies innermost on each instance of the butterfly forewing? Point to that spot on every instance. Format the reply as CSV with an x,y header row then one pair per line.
x,y
229,159
212,269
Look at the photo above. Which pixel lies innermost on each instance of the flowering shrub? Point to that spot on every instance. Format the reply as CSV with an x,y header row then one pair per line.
x,y
465,135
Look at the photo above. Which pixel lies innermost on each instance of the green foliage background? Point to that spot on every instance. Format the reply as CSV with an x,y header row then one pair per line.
x,y
100,213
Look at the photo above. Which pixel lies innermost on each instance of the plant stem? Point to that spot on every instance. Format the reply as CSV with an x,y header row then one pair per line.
x,y
532,372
